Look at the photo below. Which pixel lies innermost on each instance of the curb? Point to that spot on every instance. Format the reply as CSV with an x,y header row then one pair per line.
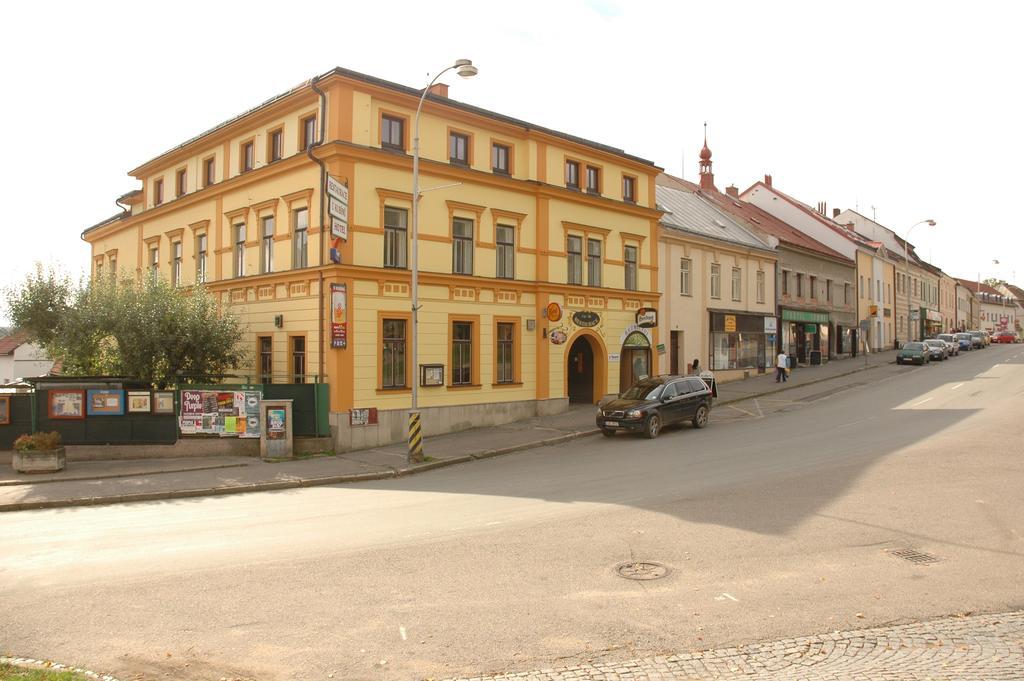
x,y
355,477
29,663
15,483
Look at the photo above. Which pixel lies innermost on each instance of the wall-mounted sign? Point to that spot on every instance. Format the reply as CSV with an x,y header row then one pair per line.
x,y
363,417
730,323
586,318
873,310
339,316
557,336
613,357
661,348
771,325
431,374
337,207
553,312
647,317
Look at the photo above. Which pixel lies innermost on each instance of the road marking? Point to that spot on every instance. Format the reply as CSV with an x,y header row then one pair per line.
x,y
927,399
495,522
855,423
401,631
956,386
759,412
722,596
748,413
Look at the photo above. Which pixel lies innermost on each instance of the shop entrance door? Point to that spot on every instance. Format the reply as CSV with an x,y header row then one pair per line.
x,y
634,360
581,371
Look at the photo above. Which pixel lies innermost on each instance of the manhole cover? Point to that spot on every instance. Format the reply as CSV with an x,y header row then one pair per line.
x,y
914,556
642,570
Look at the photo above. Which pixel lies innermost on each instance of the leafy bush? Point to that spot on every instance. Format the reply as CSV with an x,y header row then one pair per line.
x,y
37,442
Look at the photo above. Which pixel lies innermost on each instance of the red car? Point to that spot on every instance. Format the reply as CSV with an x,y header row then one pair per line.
x,y
1005,337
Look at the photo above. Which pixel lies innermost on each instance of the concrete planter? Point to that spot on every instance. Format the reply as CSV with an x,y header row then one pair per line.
x,y
42,461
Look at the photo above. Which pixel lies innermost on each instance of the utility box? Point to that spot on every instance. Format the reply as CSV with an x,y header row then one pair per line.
x,y
276,429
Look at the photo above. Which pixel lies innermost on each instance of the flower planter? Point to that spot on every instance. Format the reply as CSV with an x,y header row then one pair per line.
x,y
39,461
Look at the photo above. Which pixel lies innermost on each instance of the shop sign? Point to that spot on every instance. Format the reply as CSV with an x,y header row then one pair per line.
x,y
647,317
557,337
661,348
887,312
873,310
553,312
730,323
915,315
771,325
339,316
630,330
337,206
363,417
811,328
613,357
586,318
804,316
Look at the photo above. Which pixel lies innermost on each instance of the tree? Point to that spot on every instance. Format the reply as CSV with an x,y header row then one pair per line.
x,y
146,330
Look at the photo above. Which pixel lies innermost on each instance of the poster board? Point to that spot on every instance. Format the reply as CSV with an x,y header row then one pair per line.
x,y
65,404
220,412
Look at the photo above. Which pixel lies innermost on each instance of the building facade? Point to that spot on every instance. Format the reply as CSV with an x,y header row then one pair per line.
x,y
537,249
996,310
21,359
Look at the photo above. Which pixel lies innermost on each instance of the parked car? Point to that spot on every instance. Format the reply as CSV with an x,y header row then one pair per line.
x,y
950,340
936,349
913,352
965,340
1005,337
979,338
655,402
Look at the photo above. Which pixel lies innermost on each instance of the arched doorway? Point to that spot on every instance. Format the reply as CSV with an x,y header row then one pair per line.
x,y
580,370
634,360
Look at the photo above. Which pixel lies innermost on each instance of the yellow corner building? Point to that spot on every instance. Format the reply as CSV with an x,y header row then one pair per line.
x,y
538,253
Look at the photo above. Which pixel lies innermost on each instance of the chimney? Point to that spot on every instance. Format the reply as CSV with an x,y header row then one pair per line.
x,y
733,191
768,180
835,212
439,89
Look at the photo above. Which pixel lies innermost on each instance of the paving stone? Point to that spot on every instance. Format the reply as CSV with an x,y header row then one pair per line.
x,y
975,648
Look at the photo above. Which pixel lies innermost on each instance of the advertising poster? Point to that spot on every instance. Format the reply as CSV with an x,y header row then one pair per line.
x,y
191,411
339,316
275,424
227,414
252,415
105,403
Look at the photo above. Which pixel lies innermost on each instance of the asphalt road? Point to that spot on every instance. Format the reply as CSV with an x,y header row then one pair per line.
x,y
778,520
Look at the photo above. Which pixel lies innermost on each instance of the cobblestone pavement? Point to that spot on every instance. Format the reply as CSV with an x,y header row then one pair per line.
x,y
979,647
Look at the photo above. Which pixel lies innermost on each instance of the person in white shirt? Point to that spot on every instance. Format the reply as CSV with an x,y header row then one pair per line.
x,y
780,368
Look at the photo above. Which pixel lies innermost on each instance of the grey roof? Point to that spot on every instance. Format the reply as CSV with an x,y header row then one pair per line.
x,y
687,212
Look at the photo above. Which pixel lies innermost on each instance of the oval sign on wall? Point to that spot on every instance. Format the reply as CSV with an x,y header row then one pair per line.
x,y
586,318
553,312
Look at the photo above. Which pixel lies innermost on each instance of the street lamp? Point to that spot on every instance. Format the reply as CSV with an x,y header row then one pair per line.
x,y
906,267
465,68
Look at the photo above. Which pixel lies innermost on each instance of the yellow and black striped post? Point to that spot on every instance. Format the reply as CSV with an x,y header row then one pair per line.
x,y
415,438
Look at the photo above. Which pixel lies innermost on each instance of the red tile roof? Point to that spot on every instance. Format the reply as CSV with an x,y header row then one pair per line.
x,y
972,286
8,344
758,218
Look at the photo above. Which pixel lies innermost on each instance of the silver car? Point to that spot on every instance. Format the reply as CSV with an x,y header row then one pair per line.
x,y
950,340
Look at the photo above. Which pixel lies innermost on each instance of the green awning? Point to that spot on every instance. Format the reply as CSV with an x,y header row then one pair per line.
x,y
802,316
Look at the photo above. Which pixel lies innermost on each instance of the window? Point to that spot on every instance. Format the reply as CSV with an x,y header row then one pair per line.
x,y
458,148
629,261
266,344
267,244
505,240
113,270
462,353
572,174
239,254
275,146
180,182
209,169
300,238
593,262
861,287
813,287
154,261
737,283
684,276
785,282
392,132
298,359
201,259
99,268
506,353
629,188
760,286
799,285
247,156
308,132
393,365
574,259
878,290
846,294
176,264
716,280
158,192
462,246
396,243
828,290
593,180
499,158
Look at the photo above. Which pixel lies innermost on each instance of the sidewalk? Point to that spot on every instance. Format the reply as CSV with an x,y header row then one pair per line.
x,y
104,482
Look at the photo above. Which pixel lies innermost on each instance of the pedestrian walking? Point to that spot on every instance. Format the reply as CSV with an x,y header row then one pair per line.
x,y
781,367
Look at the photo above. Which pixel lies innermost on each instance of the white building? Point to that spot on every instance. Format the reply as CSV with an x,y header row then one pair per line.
x,y
20,359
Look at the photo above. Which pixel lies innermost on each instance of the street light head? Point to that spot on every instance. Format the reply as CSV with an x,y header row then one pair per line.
x,y
465,68
930,222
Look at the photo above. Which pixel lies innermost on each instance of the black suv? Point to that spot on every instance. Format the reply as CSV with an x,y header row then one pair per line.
x,y
656,402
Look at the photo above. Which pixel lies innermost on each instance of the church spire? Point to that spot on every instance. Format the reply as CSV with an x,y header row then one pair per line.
x,y
707,178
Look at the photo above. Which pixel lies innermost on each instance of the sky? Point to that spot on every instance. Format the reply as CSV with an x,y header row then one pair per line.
x,y
903,111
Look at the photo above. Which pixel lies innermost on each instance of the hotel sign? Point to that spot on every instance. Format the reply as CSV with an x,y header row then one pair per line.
x,y
337,207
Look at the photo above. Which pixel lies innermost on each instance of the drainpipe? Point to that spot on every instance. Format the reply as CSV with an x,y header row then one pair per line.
x,y
323,226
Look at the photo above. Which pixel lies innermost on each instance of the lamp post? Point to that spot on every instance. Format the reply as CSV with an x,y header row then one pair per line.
x,y
906,267
465,68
